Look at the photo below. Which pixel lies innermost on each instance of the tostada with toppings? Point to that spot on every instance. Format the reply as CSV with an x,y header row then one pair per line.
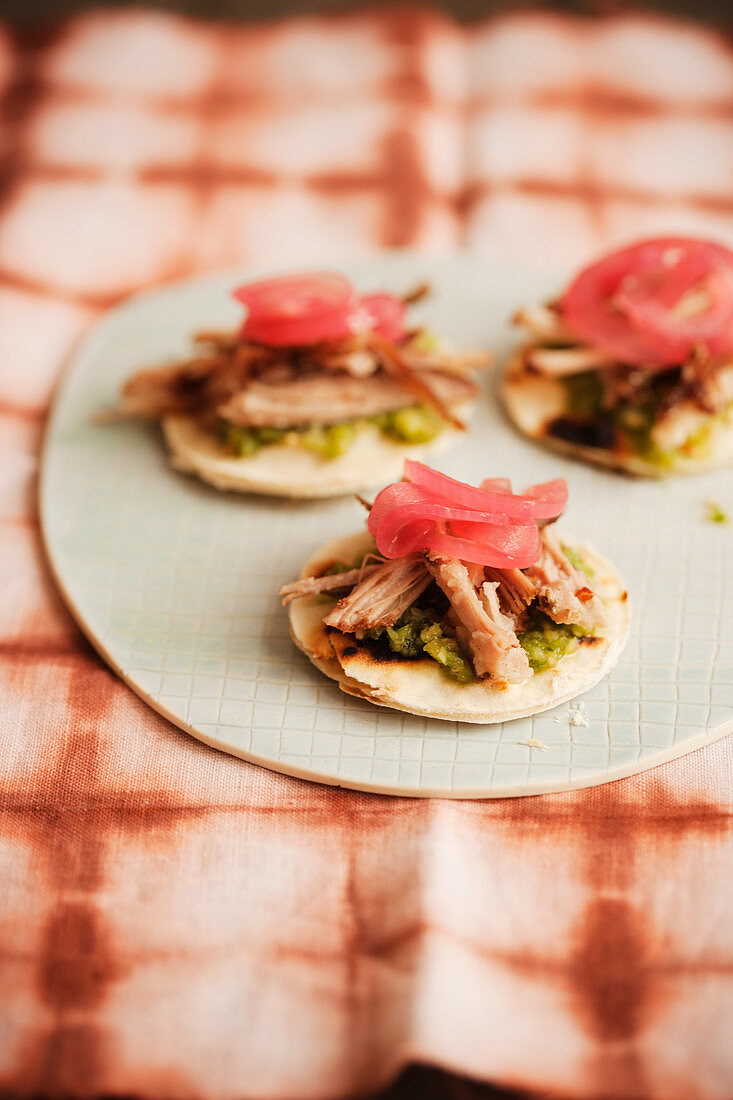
x,y
320,392
461,603
632,367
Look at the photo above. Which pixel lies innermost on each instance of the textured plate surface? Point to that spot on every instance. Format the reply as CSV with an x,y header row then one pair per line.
x,y
176,584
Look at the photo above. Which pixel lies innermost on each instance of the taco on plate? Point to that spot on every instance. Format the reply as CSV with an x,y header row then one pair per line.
x,y
633,367
461,603
320,392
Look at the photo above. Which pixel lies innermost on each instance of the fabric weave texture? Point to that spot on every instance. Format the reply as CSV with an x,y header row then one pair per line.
x,y
173,922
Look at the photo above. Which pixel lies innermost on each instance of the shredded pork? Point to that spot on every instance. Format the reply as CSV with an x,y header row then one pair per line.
x,y
382,597
545,324
481,628
415,382
181,389
330,582
258,386
564,361
317,398
516,592
563,590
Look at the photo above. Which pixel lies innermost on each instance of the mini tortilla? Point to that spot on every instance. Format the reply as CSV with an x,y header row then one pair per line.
x,y
281,469
533,400
420,687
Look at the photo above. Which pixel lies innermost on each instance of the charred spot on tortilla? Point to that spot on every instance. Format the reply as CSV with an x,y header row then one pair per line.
x,y
320,392
522,621
598,435
373,654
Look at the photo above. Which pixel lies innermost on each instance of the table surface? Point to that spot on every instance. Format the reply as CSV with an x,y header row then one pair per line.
x,y
175,922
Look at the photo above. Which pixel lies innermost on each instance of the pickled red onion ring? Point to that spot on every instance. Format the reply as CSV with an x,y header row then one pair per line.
x,y
489,527
407,501
297,309
539,501
680,273
711,327
462,522
550,498
300,310
387,315
624,304
293,296
485,554
412,538
460,495
394,496
496,485
494,548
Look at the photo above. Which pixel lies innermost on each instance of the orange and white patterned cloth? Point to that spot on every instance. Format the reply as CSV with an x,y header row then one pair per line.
x,y
173,922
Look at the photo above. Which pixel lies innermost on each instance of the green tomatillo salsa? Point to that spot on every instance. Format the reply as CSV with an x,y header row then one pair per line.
x,y
412,424
423,631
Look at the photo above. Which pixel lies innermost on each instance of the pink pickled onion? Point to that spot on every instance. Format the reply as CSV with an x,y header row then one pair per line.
x,y
408,500
299,310
387,314
651,311
394,496
435,513
550,498
625,303
519,551
461,495
539,502
496,485
469,522
492,549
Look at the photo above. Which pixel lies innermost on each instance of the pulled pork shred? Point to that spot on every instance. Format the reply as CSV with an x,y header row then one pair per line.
x,y
257,386
329,582
317,398
487,606
382,597
516,592
562,590
481,627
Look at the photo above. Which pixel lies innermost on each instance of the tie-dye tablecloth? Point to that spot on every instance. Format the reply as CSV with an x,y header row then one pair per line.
x,y
173,922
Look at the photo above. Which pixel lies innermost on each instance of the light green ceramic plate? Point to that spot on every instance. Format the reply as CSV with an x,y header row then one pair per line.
x,y
175,584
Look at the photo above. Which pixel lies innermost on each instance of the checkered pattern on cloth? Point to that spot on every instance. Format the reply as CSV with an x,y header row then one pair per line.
x,y
174,922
